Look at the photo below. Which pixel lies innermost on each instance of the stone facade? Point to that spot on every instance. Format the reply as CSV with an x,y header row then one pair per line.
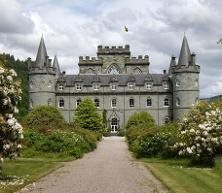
x,y
118,83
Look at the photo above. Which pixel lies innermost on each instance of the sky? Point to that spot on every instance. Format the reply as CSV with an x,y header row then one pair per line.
x,y
73,28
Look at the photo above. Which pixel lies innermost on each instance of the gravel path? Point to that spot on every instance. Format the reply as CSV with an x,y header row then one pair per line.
x,y
109,169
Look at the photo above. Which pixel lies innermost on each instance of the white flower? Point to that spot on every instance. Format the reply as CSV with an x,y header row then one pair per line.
x,y
189,150
2,70
13,72
19,146
10,79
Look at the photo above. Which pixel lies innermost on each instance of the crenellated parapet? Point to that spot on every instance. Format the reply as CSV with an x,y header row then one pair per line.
x,y
37,70
140,60
87,60
113,50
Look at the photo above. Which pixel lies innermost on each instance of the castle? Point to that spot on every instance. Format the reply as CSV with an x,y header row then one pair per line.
x,y
118,84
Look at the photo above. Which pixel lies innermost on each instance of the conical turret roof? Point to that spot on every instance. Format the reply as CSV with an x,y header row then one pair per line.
x,y
41,55
56,66
185,55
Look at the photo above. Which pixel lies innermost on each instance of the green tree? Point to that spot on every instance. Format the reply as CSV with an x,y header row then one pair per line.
x,y
87,117
140,120
45,118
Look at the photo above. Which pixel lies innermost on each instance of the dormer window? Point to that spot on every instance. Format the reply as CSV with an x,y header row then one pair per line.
x,y
148,85
61,87
165,85
131,85
78,86
96,86
113,86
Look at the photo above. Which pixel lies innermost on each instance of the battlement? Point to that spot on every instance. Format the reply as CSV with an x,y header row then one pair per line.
x,y
38,70
87,60
184,68
139,60
111,50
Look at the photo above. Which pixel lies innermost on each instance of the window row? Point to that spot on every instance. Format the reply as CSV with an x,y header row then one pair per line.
x,y
113,104
113,86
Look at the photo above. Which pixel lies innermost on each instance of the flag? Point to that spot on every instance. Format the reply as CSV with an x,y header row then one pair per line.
x,y
126,29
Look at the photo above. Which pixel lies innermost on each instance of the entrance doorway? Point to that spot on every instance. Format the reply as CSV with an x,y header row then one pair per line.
x,y
114,125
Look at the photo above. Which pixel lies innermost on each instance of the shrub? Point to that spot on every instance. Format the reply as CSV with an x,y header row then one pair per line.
x,y
201,133
11,132
87,117
140,120
44,118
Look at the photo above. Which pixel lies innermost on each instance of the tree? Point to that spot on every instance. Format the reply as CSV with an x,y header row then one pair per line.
x,y
11,132
45,118
87,117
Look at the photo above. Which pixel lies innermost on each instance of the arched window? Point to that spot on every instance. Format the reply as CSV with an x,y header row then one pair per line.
x,y
149,102
166,120
49,102
113,103
78,102
113,69
166,102
131,102
177,102
96,102
61,103
137,71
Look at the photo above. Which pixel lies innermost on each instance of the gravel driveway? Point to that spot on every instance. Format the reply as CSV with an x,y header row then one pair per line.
x,y
109,169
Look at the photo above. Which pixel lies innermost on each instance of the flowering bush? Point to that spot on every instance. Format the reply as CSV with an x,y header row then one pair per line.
x,y
11,132
201,133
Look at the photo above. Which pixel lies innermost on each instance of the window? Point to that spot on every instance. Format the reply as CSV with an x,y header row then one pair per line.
x,y
113,103
177,83
131,102
96,102
131,85
196,83
50,84
61,87
96,86
114,125
177,102
31,103
165,85
49,102
166,120
61,103
113,86
113,69
148,85
149,102
78,86
166,102
78,102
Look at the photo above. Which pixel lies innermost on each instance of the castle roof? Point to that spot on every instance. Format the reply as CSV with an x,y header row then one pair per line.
x,y
42,56
122,79
185,55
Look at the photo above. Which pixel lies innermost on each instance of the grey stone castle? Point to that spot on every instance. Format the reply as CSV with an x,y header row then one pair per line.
x,y
117,83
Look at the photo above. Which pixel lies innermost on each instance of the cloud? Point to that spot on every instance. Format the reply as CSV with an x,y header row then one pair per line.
x,y
74,28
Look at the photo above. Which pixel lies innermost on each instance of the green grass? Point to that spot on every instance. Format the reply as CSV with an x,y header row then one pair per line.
x,y
180,178
24,171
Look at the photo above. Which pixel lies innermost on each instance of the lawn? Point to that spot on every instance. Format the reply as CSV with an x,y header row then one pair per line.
x,y
180,178
20,172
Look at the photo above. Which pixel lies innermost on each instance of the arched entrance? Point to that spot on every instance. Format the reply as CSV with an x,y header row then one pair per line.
x,y
114,124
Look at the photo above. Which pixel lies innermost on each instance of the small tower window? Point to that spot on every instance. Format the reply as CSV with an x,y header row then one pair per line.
x,y
78,86
50,84
166,120
148,85
149,102
96,102
177,102
131,85
166,102
113,86
49,102
165,85
31,103
61,103
177,83
78,102
113,103
61,87
96,86
131,102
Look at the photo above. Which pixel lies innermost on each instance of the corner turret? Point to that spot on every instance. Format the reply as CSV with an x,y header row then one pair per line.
x,y
185,80
42,78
